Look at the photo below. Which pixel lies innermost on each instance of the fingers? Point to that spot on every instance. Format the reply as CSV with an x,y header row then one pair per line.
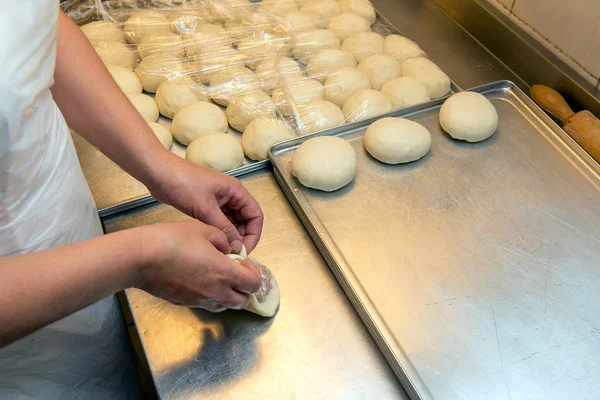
x,y
247,211
245,277
217,238
217,219
237,300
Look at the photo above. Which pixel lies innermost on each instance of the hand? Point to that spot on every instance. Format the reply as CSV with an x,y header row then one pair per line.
x,y
211,197
184,263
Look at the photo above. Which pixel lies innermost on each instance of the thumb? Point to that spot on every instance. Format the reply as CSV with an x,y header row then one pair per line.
x,y
217,219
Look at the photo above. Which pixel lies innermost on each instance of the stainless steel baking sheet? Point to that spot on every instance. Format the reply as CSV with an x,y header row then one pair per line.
x,y
477,268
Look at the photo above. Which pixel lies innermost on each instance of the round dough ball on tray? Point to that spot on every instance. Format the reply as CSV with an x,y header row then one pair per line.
x,y
221,152
401,48
154,70
261,134
213,59
232,81
469,116
293,94
145,105
277,7
343,84
100,31
259,47
365,104
328,61
428,74
364,44
196,120
246,107
162,133
380,68
126,79
309,43
346,24
172,96
270,72
299,21
324,10
364,8
116,54
326,163
405,92
145,23
319,116
169,44
397,140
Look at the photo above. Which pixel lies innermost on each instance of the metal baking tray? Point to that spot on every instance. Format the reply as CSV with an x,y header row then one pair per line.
x,y
476,268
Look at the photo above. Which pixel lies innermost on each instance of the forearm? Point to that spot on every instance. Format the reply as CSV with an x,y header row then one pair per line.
x,y
97,109
39,288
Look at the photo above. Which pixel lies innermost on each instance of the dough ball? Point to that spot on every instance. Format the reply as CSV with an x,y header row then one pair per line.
x,y
346,24
311,42
116,54
427,74
171,96
397,140
299,21
343,84
186,22
380,68
126,79
232,81
220,152
154,70
211,41
277,7
328,61
319,116
212,60
263,133
246,107
261,47
469,116
323,10
143,23
100,31
224,10
145,105
405,92
401,48
365,104
270,72
363,8
162,133
326,163
168,44
197,119
362,45
297,93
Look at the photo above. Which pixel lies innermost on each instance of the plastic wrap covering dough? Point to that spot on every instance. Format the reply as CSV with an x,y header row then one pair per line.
x,y
269,69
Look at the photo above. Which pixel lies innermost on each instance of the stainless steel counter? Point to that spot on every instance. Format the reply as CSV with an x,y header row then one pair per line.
x,y
315,347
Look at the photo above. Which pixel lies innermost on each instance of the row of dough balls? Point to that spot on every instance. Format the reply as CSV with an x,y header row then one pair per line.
x,y
328,163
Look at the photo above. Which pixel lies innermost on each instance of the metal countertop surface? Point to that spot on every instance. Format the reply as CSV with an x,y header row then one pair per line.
x,y
315,347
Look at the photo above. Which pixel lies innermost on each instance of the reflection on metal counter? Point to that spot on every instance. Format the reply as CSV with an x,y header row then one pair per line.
x,y
314,347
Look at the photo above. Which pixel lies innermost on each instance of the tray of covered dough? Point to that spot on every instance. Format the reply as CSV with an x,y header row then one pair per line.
x,y
466,234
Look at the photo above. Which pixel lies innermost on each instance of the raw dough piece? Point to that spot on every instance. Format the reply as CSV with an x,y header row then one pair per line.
x,y
297,93
364,8
362,45
211,40
186,22
428,74
246,107
145,105
346,24
319,116
162,133
401,48
326,163
323,10
169,44
270,71
365,104
224,10
469,116
343,84
213,59
116,54
328,61
143,23
266,301
171,96
197,119
397,140
405,92
100,31
219,152
260,47
231,81
309,43
154,70
261,134
277,7
380,68
126,79
300,21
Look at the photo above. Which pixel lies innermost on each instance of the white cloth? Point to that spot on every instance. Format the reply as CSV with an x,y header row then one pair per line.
x,y
45,202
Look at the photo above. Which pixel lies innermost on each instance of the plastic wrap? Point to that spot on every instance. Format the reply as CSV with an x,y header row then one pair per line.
x,y
306,65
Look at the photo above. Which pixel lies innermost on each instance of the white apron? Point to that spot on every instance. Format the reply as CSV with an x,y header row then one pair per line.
x,y
45,202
